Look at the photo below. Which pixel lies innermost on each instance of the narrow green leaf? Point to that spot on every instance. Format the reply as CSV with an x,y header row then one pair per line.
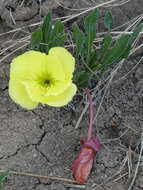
x,y
122,47
105,47
93,59
108,20
46,30
36,38
82,79
106,43
59,41
46,27
89,41
53,34
118,51
3,176
98,58
135,33
58,37
79,39
90,20
57,28
90,29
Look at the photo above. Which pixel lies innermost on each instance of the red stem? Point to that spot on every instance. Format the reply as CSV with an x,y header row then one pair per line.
x,y
90,128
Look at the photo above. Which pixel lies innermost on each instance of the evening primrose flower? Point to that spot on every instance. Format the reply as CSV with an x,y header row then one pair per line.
x,y
39,78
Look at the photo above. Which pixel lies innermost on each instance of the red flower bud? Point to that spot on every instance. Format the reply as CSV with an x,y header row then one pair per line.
x,y
82,166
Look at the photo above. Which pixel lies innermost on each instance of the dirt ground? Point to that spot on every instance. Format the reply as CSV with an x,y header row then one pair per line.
x,y
45,141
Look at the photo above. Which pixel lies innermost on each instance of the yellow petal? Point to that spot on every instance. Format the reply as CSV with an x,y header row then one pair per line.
x,y
28,65
58,87
66,59
54,69
62,99
19,95
35,91
33,64
39,93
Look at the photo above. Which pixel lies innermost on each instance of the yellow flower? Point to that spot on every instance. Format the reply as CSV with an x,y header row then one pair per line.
x,y
39,78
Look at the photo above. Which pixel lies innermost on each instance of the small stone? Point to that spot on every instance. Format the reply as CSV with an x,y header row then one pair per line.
x,y
47,6
139,73
3,83
25,13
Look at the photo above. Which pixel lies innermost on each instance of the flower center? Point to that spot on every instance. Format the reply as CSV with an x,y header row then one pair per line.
x,y
46,82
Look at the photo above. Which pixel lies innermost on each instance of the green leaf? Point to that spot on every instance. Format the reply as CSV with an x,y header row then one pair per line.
x,y
89,42
118,51
58,28
46,27
58,41
93,59
79,39
122,47
98,55
90,29
3,176
90,20
46,31
58,37
108,20
36,38
135,33
105,47
53,34
106,43
82,79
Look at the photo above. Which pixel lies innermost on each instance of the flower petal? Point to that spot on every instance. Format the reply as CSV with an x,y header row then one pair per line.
x,y
58,87
35,91
40,94
33,64
27,65
19,95
54,69
66,59
62,99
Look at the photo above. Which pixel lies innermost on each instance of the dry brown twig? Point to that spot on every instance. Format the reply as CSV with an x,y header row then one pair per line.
x,y
138,164
39,176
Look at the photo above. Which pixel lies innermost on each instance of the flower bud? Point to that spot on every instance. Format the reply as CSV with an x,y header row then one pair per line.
x,y
82,166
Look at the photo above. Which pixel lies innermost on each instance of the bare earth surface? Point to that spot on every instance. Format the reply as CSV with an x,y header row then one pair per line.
x,y
45,141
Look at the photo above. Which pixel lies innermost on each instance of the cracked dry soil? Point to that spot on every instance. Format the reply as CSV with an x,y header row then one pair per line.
x,y
44,141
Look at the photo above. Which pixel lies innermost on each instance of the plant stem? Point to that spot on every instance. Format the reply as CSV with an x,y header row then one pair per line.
x,y
90,128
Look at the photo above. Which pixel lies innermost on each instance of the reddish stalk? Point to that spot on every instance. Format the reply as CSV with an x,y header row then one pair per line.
x,y
90,128
82,165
